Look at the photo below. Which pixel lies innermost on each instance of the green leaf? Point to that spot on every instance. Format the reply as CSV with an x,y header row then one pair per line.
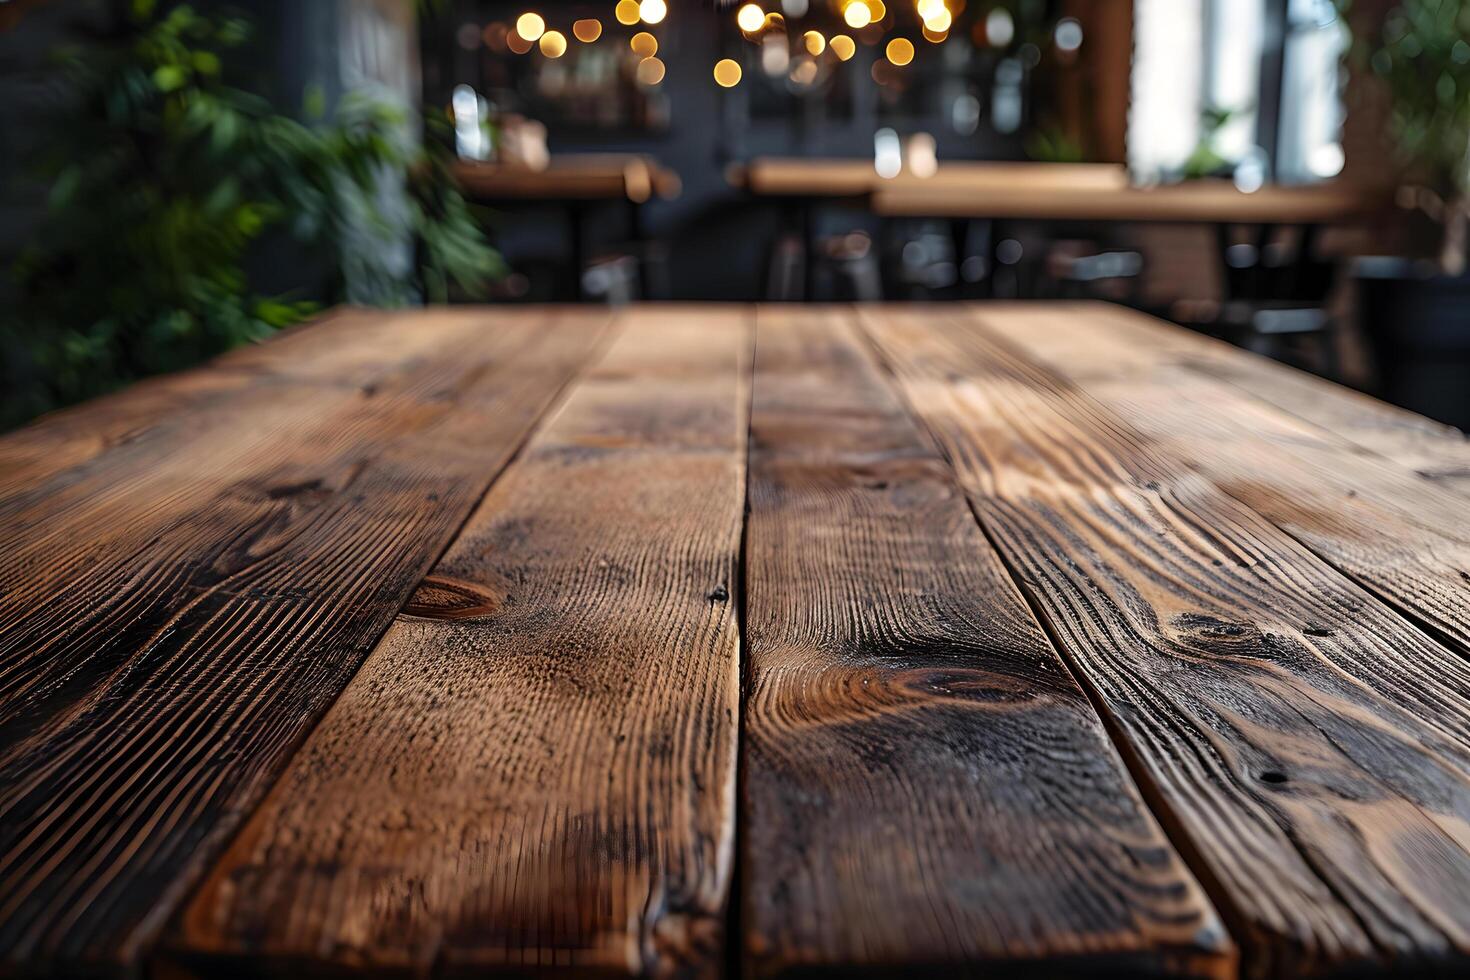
x,y
169,78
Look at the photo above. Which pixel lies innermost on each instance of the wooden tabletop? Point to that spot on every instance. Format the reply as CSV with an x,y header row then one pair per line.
x,y
778,640
570,177
1054,191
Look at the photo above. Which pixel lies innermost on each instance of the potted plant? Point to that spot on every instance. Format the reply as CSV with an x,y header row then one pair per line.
x,y
1417,314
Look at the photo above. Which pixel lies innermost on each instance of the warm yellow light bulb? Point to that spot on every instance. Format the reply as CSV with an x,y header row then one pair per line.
x,y
857,15
749,18
842,46
530,26
587,30
727,73
626,12
815,42
553,44
900,51
652,11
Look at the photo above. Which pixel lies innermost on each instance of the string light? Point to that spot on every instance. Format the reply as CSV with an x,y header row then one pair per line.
x,y
530,26
727,73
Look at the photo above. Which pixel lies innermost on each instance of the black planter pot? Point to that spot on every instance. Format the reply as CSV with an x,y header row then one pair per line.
x,y
1419,326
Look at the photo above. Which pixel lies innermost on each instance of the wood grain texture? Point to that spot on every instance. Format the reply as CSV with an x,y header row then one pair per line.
x,y
1308,749
195,571
535,768
925,784
1435,451
1403,536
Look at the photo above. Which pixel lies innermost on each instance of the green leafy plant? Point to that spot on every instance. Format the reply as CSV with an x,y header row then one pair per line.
x,y
1422,54
165,176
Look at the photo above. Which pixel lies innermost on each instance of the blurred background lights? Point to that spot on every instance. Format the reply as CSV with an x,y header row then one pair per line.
x,y
727,73
626,12
887,153
749,18
644,44
1068,34
876,10
794,8
553,44
857,15
815,42
900,51
1000,29
530,26
939,23
650,72
653,12
587,30
842,46
518,44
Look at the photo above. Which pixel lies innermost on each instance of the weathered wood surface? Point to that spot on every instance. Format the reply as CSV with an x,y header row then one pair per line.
x,y
536,768
1308,749
191,572
1435,451
925,784
1404,536
213,757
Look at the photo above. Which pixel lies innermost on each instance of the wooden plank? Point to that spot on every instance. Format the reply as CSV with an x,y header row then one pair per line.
x,y
536,766
184,594
1308,749
1404,537
1195,201
1435,451
925,784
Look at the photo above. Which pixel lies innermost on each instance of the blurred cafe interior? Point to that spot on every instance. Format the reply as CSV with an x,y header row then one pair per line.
x,y
1288,175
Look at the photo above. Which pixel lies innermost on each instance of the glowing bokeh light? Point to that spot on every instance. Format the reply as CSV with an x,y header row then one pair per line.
x,y
749,18
727,73
553,44
518,44
587,30
857,15
530,26
1000,29
650,72
626,12
815,42
652,12
842,46
644,44
900,51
